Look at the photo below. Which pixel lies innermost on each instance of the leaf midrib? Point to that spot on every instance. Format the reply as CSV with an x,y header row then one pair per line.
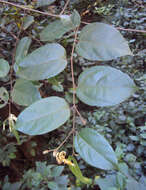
x,y
46,114
97,151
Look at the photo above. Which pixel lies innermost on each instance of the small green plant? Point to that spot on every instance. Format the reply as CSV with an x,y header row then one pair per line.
x,y
7,153
100,86
97,86
6,185
44,177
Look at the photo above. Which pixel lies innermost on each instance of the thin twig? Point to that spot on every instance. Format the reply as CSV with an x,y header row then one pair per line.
x,y
73,80
74,110
65,6
81,118
8,32
74,86
131,30
63,142
83,22
70,133
125,29
28,9
71,61
57,16
73,129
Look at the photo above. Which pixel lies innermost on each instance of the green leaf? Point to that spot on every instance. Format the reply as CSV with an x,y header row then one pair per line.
x,y
132,184
15,133
71,21
95,150
121,180
25,93
58,88
41,3
28,21
12,155
107,183
62,182
56,171
104,86
134,138
143,142
43,169
143,135
55,30
22,49
74,188
77,172
32,152
75,18
4,68
4,97
53,185
43,116
123,168
13,186
44,62
101,42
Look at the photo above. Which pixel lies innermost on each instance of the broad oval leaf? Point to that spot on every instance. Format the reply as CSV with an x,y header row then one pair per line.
x,y
101,42
71,21
132,184
43,116
4,97
25,93
107,183
104,86
58,28
95,150
4,68
54,30
44,62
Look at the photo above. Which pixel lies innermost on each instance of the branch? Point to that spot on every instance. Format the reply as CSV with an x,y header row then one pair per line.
x,y
63,142
57,16
72,132
73,83
131,30
9,32
119,28
67,2
28,9
81,118
71,61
